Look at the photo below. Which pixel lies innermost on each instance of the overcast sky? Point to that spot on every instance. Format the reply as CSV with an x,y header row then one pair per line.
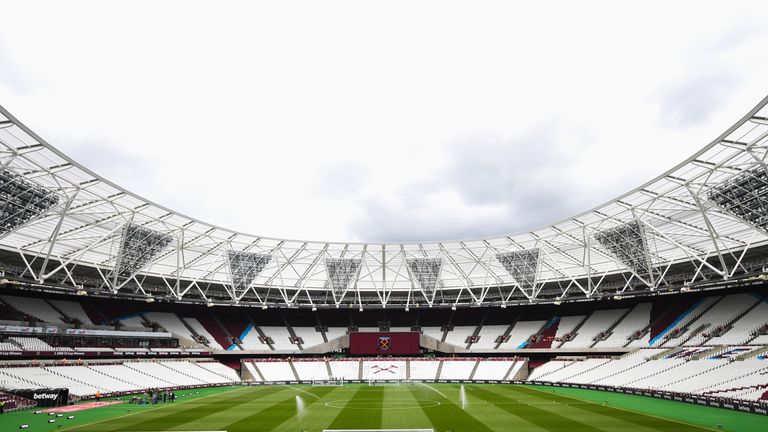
x,y
381,121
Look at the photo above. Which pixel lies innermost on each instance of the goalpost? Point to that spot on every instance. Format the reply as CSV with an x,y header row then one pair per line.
x,y
328,382
392,382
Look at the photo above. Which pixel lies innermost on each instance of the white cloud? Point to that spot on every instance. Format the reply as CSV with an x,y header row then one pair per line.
x,y
363,121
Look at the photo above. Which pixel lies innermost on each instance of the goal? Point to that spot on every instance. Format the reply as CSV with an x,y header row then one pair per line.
x,y
392,382
328,382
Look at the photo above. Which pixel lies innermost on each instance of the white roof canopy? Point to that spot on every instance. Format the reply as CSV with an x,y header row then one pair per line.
x,y
707,211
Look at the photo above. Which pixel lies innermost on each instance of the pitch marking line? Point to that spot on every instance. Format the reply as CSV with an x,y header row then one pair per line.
x,y
298,389
434,389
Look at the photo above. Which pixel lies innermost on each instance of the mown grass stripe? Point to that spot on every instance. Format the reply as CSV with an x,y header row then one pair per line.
x,y
223,417
643,420
362,411
545,419
411,418
448,415
128,413
270,418
168,419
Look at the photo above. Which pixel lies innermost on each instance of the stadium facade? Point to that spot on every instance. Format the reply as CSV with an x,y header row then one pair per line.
x,y
659,291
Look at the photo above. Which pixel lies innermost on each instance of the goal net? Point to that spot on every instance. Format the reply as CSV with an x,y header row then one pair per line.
x,y
380,382
328,382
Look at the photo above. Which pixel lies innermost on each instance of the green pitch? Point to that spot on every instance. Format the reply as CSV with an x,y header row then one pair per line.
x,y
487,408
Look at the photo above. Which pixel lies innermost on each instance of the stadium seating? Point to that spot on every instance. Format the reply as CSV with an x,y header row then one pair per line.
x,y
425,369
277,371
171,323
520,334
636,320
488,335
384,370
599,321
700,371
496,369
34,307
458,336
311,370
73,310
32,344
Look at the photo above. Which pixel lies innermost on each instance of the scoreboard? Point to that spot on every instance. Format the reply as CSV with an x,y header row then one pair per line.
x,y
378,343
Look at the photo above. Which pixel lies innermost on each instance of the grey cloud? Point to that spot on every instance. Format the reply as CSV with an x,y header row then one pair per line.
x,y
525,177
9,72
340,179
694,101
114,163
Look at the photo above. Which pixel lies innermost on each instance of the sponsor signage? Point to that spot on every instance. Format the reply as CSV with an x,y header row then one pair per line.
x,y
44,397
692,399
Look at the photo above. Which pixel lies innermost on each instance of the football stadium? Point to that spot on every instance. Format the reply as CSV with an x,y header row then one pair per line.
x,y
646,313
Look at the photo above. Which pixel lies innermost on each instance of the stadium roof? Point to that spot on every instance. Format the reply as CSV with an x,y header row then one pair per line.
x,y
706,213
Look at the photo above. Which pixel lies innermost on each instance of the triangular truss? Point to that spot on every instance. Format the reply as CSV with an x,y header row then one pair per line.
x,y
341,273
745,196
522,265
244,267
628,244
138,247
426,272
21,201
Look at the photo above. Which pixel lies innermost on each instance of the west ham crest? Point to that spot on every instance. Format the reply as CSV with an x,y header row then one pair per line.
x,y
385,343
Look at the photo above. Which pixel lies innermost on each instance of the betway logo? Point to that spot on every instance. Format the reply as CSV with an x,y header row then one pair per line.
x,y
51,396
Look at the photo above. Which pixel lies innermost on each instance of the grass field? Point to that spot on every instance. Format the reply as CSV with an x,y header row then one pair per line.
x,y
488,408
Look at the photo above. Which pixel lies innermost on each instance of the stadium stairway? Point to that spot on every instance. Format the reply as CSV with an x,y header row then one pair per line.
x,y
508,372
476,333
752,354
210,371
360,370
258,371
474,369
546,334
692,320
439,370
645,377
666,353
116,378
270,342
729,324
128,365
190,329
180,372
709,353
224,330
584,371
71,378
575,330
322,328
293,369
328,367
607,332
291,332
448,326
509,329
64,316
408,369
